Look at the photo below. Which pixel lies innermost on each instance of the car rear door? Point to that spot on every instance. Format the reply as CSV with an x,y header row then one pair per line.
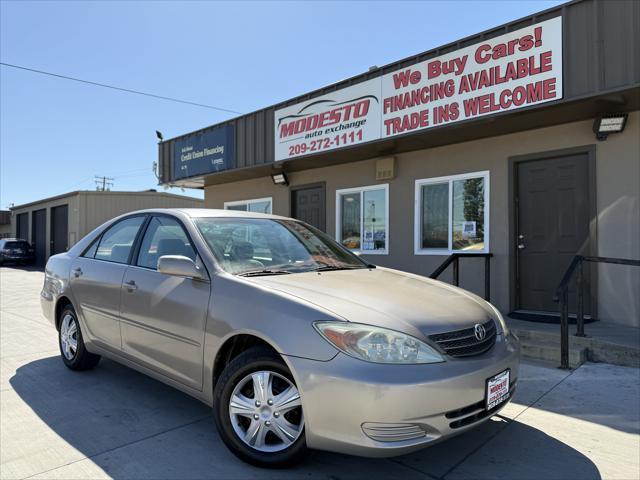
x,y
163,316
96,281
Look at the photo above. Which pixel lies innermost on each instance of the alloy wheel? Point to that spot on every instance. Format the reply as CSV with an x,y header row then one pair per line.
x,y
266,411
69,336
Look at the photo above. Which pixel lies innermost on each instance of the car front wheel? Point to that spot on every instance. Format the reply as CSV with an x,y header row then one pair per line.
x,y
72,349
258,410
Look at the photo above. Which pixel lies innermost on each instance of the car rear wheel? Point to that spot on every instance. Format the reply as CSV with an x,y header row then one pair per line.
x,y
258,410
72,349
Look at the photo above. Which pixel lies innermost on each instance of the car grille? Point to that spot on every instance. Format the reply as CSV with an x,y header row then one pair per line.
x,y
463,343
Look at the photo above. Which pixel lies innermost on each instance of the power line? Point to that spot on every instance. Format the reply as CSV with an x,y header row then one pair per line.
x,y
133,175
113,87
79,183
129,171
123,174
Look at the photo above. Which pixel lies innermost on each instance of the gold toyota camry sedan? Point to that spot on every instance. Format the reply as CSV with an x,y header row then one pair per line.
x,y
293,340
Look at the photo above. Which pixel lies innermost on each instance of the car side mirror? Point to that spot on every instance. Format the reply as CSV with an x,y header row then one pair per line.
x,y
179,266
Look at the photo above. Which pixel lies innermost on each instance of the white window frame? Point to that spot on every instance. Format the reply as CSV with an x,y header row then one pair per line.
x,y
361,190
249,202
417,225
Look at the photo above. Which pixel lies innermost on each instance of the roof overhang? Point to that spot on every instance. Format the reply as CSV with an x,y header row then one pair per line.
x,y
534,117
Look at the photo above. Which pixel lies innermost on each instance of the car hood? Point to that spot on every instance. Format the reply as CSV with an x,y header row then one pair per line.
x,y
386,298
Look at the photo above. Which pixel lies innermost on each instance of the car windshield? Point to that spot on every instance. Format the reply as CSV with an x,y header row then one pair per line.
x,y
264,246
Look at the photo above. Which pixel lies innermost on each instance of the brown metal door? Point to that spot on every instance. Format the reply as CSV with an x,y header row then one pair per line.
x,y
39,235
308,205
59,229
552,227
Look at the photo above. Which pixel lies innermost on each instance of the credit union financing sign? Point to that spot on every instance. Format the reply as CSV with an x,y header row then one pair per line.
x,y
515,70
203,153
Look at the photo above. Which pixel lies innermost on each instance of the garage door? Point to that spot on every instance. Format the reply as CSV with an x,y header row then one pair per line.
x,y
22,226
59,229
39,235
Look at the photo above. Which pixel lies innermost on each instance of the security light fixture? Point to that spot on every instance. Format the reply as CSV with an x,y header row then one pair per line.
x,y
159,135
606,124
280,178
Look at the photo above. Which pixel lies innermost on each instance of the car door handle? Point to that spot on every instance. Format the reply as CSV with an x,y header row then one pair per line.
x,y
77,272
131,285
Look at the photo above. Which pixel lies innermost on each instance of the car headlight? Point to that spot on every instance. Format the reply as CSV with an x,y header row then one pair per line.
x,y
375,344
500,320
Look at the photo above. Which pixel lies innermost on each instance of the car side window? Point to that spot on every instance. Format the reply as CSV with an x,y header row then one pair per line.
x,y
116,243
91,251
164,236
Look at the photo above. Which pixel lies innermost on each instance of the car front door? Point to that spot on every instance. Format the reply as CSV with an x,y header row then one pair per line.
x,y
96,281
163,316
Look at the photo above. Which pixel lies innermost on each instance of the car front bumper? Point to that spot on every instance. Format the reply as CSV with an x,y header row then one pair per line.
x,y
360,408
16,258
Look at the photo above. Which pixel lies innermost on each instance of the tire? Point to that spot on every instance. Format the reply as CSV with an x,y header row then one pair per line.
x,y
274,425
69,332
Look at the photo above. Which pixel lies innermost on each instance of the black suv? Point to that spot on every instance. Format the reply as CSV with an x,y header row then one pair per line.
x,y
15,250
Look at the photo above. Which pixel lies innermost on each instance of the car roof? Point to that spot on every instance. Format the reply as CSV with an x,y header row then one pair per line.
x,y
210,213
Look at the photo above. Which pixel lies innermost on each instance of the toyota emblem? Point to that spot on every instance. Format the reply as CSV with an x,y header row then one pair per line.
x,y
480,332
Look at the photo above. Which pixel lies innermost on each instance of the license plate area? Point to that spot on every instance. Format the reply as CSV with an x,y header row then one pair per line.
x,y
497,390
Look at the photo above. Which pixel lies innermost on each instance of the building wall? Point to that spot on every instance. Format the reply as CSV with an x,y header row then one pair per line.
x,y
70,200
5,223
98,207
617,194
90,209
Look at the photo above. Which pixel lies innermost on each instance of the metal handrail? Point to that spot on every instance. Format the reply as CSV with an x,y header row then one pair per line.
x,y
455,259
562,296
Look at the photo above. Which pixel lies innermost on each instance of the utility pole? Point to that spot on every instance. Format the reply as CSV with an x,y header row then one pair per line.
x,y
103,184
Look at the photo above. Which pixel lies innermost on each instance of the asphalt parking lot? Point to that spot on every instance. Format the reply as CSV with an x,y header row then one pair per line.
x,y
115,423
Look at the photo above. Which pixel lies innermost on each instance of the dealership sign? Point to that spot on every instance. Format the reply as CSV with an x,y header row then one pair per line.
x,y
345,117
515,70
203,153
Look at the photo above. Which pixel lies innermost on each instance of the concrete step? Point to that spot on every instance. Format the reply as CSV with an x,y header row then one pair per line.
x,y
597,350
550,351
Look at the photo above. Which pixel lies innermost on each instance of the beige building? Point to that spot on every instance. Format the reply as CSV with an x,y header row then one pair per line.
x,y
54,224
520,144
5,223
615,222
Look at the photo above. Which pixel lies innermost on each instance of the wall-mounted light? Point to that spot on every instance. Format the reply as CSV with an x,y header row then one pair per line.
x,y
280,178
606,124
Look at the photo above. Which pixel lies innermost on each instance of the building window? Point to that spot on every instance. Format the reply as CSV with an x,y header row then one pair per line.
x,y
362,215
452,214
258,205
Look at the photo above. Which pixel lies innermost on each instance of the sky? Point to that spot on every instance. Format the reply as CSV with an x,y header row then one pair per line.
x,y
56,135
